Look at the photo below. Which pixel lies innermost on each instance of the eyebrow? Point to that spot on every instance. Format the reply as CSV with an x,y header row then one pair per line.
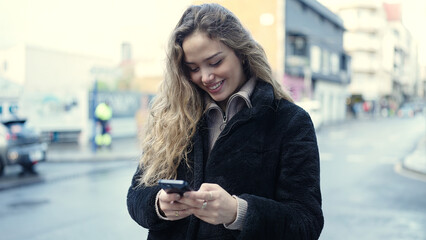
x,y
212,56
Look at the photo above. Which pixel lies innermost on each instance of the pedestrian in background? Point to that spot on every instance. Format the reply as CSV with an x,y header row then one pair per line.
x,y
103,113
223,124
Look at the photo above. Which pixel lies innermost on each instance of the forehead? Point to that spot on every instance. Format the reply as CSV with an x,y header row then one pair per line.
x,y
198,47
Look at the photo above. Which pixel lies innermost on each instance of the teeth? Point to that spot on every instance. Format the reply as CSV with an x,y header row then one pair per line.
x,y
215,86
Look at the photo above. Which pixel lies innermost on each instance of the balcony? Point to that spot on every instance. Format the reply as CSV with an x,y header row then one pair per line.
x,y
362,43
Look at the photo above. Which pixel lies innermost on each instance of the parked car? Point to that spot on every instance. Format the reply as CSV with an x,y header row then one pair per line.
x,y
20,144
406,110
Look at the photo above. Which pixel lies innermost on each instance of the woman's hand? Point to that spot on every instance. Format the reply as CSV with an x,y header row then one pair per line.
x,y
211,203
171,207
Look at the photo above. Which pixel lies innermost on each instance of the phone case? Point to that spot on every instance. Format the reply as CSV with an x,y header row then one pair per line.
x,y
174,186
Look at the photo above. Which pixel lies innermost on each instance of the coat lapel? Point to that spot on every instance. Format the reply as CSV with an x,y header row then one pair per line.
x,y
198,157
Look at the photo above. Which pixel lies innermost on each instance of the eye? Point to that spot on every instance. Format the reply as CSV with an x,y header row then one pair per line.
x,y
193,69
216,63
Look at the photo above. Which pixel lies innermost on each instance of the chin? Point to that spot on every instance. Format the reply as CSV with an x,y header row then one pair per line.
x,y
218,98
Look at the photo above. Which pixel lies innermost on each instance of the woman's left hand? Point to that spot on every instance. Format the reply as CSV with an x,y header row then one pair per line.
x,y
212,204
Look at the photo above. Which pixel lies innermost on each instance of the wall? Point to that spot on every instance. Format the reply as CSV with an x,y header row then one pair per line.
x,y
266,33
323,32
12,64
320,69
309,22
332,98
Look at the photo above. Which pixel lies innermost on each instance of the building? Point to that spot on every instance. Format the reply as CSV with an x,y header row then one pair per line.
x,y
265,21
304,44
385,70
53,89
9,97
316,65
406,69
149,42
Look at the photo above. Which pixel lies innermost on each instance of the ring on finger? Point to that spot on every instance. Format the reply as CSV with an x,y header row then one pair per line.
x,y
211,196
204,205
177,213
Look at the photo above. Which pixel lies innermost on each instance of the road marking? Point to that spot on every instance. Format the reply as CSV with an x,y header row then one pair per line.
x,y
356,158
360,158
325,157
337,135
388,160
355,143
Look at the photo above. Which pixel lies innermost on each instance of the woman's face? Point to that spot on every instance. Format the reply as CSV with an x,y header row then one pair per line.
x,y
213,66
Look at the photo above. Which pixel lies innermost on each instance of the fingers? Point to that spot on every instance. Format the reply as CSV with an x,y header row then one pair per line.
x,y
168,197
171,207
177,214
204,205
212,204
206,192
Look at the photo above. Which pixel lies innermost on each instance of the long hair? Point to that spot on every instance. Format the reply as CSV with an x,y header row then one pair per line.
x,y
178,106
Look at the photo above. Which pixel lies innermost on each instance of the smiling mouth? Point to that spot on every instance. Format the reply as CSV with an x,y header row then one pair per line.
x,y
216,86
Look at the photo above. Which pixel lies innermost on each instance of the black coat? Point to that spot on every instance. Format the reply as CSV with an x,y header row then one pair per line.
x,y
267,155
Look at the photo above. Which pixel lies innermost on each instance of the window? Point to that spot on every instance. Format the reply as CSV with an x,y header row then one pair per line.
x,y
325,62
297,45
335,63
343,62
315,59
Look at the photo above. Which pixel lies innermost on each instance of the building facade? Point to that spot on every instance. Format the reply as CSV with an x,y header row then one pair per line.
x,y
385,68
316,65
404,52
53,89
265,21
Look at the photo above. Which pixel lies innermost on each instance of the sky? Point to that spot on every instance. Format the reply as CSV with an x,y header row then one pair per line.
x,y
98,27
92,27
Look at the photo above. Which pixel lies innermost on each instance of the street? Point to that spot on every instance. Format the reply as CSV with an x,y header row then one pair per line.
x,y
88,206
363,196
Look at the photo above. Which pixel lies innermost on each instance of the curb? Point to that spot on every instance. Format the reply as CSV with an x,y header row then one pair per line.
x,y
91,157
416,160
14,181
414,164
62,161
20,182
409,173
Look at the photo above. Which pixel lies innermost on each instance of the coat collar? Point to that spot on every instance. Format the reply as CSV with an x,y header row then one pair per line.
x,y
263,93
262,99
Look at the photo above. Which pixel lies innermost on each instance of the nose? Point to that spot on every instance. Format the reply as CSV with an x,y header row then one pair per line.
x,y
207,77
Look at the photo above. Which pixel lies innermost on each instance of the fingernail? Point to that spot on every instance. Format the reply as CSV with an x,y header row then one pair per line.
x,y
186,194
177,196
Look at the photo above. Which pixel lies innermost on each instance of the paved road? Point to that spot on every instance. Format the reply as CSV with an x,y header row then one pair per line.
x,y
364,197
86,206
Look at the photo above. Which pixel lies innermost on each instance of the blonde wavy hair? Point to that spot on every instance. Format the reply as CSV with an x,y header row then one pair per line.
x,y
179,106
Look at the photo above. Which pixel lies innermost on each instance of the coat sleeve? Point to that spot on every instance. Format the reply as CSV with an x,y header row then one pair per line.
x,y
141,206
295,212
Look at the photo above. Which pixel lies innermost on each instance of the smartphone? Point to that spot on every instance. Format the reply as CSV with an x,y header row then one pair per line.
x,y
174,186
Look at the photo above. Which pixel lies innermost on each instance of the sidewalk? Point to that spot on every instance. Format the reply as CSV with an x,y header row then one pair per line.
x,y
416,161
69,160
122,149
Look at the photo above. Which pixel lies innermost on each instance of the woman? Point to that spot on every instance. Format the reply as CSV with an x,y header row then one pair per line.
x,y
222,123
